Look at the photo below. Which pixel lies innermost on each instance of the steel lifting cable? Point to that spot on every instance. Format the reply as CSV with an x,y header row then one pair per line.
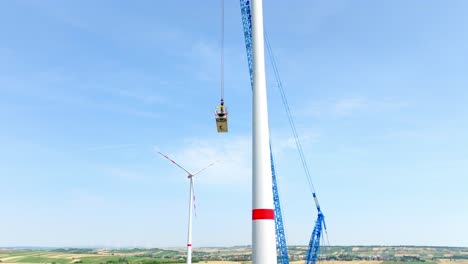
x,y
290,118
293,128
222,52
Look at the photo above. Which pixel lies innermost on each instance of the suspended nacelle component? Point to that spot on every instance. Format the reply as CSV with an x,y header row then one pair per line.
x,y
221,116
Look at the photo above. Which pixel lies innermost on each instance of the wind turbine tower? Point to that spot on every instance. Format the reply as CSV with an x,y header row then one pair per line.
x,y
263,214
191,199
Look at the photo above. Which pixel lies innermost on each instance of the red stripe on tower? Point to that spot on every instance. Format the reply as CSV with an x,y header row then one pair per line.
x,y
263,214
189,245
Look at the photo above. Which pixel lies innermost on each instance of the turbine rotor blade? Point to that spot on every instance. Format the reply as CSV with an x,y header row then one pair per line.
x,y
193,197
205,168
189,173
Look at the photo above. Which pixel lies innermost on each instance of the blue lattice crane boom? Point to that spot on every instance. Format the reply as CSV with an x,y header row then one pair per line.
x,y
314,243
247,25
281,247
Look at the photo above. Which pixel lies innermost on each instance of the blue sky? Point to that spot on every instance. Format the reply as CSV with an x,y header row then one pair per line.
x,y
90,91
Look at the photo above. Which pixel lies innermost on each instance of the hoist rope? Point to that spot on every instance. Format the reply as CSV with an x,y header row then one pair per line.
x,y
290,117
222,50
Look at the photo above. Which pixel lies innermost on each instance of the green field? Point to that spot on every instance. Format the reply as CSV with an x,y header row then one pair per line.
x,y
359,254
86,256
34,259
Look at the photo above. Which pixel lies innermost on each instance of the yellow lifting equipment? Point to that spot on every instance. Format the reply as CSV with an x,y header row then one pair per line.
x,y
221,116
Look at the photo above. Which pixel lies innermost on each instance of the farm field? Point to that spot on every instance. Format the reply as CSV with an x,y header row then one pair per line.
x,y
97,256
232,255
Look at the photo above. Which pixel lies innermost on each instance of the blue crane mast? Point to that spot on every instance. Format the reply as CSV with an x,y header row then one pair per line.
x,y
281,247
247,24
314,243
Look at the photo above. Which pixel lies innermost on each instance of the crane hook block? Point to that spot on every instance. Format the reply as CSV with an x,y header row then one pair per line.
x,y
221,116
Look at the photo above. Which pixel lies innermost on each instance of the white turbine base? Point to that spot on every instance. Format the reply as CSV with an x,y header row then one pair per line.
x,y
264,252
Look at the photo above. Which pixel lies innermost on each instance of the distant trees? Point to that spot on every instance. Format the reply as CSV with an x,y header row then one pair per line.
x,y
454,257
75,250
411,259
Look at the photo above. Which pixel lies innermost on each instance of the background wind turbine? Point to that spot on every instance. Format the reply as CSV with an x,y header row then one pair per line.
x,y
191,200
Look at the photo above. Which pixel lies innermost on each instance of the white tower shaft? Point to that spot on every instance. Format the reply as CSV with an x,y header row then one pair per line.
x,y
263,225
189,235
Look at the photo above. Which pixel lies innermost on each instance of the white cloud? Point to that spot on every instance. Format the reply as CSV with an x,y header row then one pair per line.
x,y
77,198
353,105
234,154
202,60
284,142
55,88
348,106
125,174
146,98
111,147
